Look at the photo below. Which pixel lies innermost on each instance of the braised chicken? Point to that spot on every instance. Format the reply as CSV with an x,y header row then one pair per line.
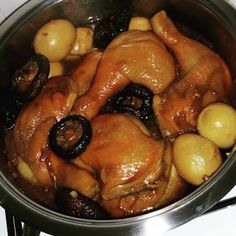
x,y
146,199
125,159
203,78
133,56
36,119
124,168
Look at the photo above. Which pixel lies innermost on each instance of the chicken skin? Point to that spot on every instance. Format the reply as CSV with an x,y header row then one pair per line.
x,y
125,159
83,75
124,167
134,56
34,122
203,78
167,188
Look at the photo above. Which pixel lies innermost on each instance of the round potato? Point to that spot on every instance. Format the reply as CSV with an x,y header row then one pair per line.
x,y
55,39
217,122
139,23
56,69
25,171
195,158
84,41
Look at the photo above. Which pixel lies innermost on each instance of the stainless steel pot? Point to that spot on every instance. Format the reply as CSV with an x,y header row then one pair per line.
x,y
214,19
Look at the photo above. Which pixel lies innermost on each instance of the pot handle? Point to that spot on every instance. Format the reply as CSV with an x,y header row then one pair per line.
x,y
14,227
30,231
222,204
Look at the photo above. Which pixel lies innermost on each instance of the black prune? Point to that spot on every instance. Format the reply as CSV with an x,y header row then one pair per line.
x,y
69,137
121,20
109,27
135,99
104,32
30,78
73,203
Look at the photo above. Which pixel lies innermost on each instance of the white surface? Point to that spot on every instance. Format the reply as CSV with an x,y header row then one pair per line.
x,y
7,6
220,223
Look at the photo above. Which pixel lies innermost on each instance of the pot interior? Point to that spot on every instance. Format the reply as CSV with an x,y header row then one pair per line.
x,y
202,23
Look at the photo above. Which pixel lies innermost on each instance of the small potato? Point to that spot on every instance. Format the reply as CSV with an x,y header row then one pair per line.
x,y
25,171
56,68
84,41
195,158
55,39
217,122
139,23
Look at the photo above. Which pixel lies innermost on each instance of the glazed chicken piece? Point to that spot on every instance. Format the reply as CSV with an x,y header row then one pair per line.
x,y
203,78
124,158
34,122
133,56
83,75
167,188
145,199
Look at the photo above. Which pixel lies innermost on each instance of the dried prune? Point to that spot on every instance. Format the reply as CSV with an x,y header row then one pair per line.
x,y
135,99
30,78
69,137
73,203
109,27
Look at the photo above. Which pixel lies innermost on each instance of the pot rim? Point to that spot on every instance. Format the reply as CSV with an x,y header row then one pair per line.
x,y
195,203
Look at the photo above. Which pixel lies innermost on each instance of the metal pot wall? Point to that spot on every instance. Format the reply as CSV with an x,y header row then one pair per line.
x,y
213,18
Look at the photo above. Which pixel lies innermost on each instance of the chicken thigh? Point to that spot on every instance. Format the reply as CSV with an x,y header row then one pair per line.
x,y
34,122
133,56
203,78
168,187
125,159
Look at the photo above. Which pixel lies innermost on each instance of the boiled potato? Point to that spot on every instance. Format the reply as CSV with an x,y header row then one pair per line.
x,y
55,39
139,23
84,41
25,171
217,122
56,68
195,158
